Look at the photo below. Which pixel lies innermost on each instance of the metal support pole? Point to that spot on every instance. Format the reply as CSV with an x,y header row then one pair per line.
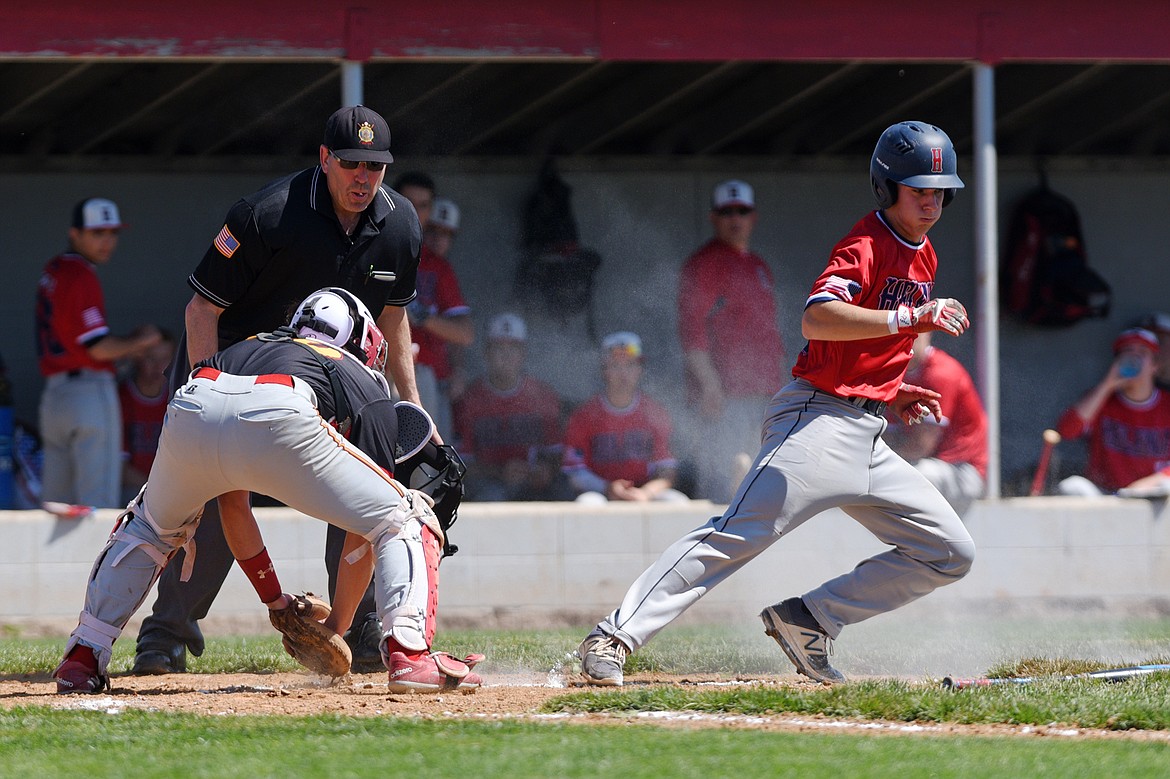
x,y
351,83
987,265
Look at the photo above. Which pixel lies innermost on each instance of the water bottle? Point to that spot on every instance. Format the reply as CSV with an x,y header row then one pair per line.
x,y
1130,366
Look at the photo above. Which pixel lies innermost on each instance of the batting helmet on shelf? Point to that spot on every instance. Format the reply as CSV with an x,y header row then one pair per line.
x,y
336,316
914,154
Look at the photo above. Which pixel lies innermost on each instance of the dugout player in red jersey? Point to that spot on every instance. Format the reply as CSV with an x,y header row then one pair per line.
x,y
1126,418
143,397
617,444
508,424
80,421
822,445
952,453
730,338
440,318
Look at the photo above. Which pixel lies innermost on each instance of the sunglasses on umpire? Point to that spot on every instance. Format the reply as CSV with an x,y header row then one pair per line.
x,y
734,210
372,167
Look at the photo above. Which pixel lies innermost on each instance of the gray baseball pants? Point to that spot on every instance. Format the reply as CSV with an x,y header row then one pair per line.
x,y
819,451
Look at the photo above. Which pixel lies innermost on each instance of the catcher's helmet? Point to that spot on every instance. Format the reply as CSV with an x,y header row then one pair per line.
x,y
915,154
336,316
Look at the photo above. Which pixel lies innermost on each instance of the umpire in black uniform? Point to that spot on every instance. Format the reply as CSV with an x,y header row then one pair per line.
x,y
332,225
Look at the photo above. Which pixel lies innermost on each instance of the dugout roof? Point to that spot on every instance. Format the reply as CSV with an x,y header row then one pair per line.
x,y
127,82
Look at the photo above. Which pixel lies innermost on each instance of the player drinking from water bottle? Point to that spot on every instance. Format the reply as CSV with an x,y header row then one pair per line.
x,y
822,444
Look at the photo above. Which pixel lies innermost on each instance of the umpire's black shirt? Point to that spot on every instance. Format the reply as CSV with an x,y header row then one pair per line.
x,y
284,242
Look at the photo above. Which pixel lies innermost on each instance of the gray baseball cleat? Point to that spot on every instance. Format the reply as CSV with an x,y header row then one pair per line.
x,y
806,645
602,659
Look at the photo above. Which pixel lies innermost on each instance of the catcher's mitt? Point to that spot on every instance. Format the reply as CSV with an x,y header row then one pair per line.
x,y
308,641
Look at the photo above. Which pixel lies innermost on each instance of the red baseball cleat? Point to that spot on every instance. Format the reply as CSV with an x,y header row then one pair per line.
x,y
432,672
78,672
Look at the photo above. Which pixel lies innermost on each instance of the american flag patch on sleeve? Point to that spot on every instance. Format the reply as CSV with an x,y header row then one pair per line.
x,y
226,243
840,287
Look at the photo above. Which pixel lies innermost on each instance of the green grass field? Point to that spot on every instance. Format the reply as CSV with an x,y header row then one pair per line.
x,y
43,742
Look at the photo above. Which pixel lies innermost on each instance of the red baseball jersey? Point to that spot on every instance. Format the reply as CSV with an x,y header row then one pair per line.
x,y
630,443
70,315
871,267
964,435
495,426
142,421
1127,440
726,308
438,290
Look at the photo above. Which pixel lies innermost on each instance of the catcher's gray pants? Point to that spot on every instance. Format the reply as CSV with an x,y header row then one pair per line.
x,y
234,433
819,451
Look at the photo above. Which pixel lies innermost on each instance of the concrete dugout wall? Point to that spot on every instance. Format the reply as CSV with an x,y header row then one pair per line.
x,y
543,564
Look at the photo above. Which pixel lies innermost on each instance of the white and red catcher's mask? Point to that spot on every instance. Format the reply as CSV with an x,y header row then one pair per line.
x,y
338,317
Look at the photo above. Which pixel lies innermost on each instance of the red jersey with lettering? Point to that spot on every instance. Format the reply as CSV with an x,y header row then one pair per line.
x,y
726,308
628,443
874,268
1127,440
438,291
964,432
70,315
142,421
495,426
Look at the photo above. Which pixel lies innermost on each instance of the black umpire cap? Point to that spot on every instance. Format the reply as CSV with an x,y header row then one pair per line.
x,y
358,134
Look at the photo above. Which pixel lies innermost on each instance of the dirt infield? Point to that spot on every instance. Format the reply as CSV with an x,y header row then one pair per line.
x,y
501,697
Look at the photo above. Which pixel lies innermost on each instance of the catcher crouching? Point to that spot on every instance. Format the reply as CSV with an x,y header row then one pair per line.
x,y
303,415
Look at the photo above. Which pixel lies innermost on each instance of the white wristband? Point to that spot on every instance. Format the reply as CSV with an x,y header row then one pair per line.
x,y
892,321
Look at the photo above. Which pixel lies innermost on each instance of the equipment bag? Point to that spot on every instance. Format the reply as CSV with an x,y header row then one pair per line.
x,y
1045,278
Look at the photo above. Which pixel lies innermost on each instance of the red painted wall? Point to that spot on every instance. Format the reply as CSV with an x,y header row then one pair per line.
x,y
990,30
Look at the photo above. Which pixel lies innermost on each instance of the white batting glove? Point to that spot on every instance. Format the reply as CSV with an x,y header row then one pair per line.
x,y
945,314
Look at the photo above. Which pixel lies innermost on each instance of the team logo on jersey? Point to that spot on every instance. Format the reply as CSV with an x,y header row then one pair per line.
x,y
366,133
936,159
897,292
226,243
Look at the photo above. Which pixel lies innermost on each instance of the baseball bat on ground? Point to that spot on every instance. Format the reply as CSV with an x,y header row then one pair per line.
x,y
1051,439
1107,675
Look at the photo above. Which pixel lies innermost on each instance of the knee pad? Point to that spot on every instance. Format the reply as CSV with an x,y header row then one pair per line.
x,y
137,528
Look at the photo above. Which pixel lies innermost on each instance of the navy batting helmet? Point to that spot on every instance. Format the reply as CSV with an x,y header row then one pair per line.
x,y
915,154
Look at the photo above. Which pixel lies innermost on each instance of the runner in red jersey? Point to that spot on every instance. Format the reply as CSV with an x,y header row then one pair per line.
x,y
617,444
81,425
1125,416
822,446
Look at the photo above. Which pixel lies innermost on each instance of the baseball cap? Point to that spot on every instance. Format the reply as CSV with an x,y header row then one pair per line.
x,y
358,134
623,342
507,327
445,213
1157,322
1135,337
733,193
96,213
